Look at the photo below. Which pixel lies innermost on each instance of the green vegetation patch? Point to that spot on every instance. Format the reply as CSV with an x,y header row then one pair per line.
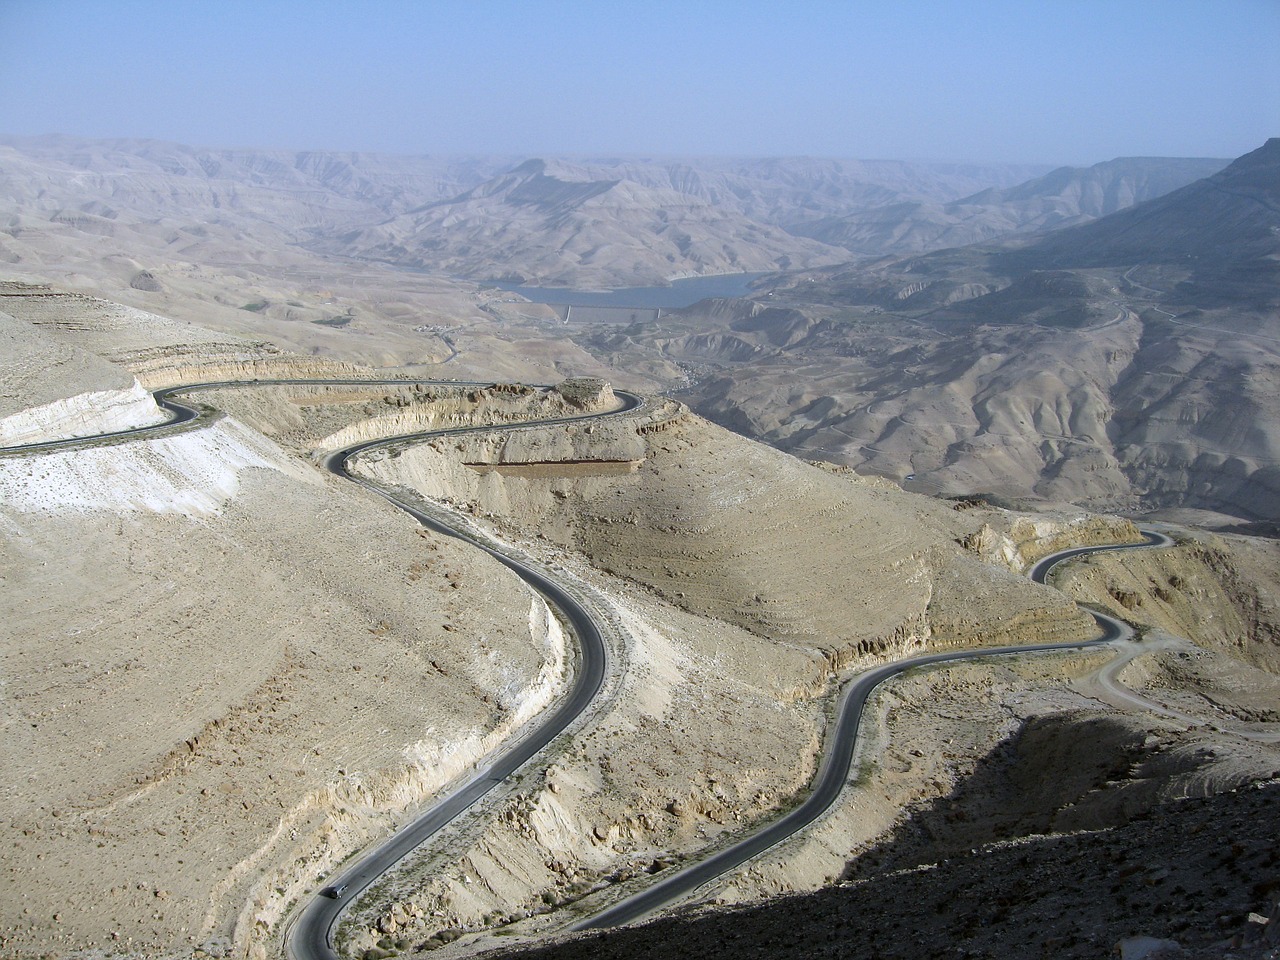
x,y
339,321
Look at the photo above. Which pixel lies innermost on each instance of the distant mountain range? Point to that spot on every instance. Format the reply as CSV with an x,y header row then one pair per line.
x,y
563,224
582,222
1066,196
1220,229
1126,358
1222,232
1128,363
549,225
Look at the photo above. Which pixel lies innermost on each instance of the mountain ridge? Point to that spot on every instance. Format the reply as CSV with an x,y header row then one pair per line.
x,y
1060,198
1097,364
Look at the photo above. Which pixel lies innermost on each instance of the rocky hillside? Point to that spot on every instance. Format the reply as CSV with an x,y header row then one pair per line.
x,y
716,525
1196,878
1033,822
1066,196
198,671
313,685
550,226
1097,364
220,654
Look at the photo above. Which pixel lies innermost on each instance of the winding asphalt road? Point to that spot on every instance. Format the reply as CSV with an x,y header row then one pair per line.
x,y
833,773
310,933
179,413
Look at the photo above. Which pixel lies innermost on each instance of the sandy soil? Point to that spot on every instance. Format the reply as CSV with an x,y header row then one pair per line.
x,y
1002,814
226,671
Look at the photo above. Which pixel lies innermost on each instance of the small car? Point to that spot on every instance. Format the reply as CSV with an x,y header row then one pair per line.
x,y
333,893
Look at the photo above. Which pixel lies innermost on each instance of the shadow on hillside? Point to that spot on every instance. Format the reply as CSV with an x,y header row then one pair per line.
x,y
1189,870
1056,773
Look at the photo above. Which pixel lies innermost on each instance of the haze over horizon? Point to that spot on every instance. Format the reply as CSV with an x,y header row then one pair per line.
x,y
1056,83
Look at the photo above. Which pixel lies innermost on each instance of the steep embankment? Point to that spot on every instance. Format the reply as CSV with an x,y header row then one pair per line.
x,y
35,370
732,564
1221,592
225,672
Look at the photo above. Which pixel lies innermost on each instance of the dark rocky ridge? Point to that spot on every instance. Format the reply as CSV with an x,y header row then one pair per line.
x,y
1188,870
1066,196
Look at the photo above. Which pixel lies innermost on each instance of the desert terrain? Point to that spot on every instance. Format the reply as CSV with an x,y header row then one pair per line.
x,y
1085,353
229,672
1127,364
275,723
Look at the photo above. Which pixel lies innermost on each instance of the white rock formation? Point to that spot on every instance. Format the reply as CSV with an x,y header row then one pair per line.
x,y
191,473
82,415
53,390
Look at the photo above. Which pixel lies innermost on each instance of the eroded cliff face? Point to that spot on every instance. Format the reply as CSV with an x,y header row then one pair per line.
x,y
1018,541
747,578
225,673
318,418
53,390
1221,592
82,415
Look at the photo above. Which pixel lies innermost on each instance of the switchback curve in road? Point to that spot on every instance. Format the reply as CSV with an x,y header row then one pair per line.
x,y
833,771
309,935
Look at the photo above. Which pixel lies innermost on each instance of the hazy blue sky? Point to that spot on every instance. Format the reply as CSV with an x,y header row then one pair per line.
x,y
1052,81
